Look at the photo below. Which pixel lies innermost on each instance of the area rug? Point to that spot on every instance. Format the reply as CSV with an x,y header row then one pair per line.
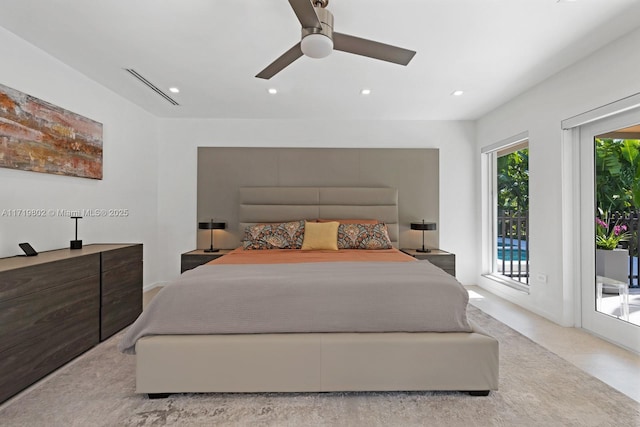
x,y
537,388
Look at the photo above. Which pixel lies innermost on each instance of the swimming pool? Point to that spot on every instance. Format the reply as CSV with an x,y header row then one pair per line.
x,y
512,255
508,249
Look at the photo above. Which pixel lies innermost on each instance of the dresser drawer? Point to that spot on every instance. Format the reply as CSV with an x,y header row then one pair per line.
x,y
121,298
32,316
41,331
27,280
121,289
118,257
31,360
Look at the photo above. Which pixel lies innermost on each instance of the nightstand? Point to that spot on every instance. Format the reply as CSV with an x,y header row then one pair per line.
x,y
444,260
192,259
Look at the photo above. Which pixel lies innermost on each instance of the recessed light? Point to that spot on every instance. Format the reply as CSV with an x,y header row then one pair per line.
x,y
365,91
457,92
174,89
272,91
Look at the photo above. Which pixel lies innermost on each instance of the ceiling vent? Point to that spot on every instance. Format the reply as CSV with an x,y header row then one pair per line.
x,y
153,87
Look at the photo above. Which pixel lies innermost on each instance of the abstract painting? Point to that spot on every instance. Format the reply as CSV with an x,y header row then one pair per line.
x,y
41,137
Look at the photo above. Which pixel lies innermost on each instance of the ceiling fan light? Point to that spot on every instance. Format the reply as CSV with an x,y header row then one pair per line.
x,y
316,46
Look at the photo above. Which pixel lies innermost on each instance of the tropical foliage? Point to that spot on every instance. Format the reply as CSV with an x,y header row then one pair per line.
x,y
513,181
617,164
513,195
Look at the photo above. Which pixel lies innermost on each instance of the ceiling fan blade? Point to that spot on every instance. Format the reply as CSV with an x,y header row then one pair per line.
x,y
279,64
376,50
306,13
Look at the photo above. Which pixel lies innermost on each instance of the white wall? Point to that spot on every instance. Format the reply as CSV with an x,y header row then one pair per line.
x,y
610,74
179,139
129,160
150,167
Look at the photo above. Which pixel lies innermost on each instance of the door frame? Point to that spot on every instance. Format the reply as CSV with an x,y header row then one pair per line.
x,y
610,328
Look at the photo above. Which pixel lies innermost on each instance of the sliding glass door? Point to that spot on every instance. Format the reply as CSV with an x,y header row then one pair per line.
x,y
609,153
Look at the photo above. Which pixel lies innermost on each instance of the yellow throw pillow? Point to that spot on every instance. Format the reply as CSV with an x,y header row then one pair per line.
x,y
320,236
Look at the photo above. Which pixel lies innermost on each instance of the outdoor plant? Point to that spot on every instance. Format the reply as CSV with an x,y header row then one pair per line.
x,y
610,237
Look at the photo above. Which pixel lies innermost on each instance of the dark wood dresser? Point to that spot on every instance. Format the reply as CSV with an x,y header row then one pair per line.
x,y
58,304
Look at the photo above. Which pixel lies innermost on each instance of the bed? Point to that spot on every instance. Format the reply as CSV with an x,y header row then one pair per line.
x,y
310,342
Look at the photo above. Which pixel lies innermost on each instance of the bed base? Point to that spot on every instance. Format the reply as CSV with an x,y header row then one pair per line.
x,y
320,362
154,396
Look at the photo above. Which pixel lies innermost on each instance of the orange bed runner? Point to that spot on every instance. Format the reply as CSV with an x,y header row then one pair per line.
x,y
290,256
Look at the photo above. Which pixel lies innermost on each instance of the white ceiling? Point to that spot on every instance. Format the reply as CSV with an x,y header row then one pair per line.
x,y
212,49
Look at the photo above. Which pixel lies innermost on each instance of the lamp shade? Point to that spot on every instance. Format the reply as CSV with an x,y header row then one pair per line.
x,y
423,226
210,225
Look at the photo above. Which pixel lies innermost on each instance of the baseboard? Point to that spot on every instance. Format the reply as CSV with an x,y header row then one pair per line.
x,y
518,298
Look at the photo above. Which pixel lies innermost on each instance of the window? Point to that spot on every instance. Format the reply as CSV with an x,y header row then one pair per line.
x,y
507,240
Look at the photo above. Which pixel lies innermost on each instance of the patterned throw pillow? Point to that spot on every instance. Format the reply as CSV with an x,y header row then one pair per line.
x,y
285,235
363,236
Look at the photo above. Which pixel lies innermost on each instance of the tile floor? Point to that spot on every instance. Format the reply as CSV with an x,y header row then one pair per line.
x,y
611,364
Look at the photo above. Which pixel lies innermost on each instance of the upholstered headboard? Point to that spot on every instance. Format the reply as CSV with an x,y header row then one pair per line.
x,y
280,204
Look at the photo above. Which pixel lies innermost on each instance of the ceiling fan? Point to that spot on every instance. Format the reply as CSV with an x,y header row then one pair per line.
x,y
319,39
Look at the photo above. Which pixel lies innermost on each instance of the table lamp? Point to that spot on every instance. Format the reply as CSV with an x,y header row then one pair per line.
x,y
76,244
210,225
422,226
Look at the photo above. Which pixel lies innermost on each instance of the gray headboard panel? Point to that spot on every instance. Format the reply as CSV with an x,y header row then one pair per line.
x,y
279,204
